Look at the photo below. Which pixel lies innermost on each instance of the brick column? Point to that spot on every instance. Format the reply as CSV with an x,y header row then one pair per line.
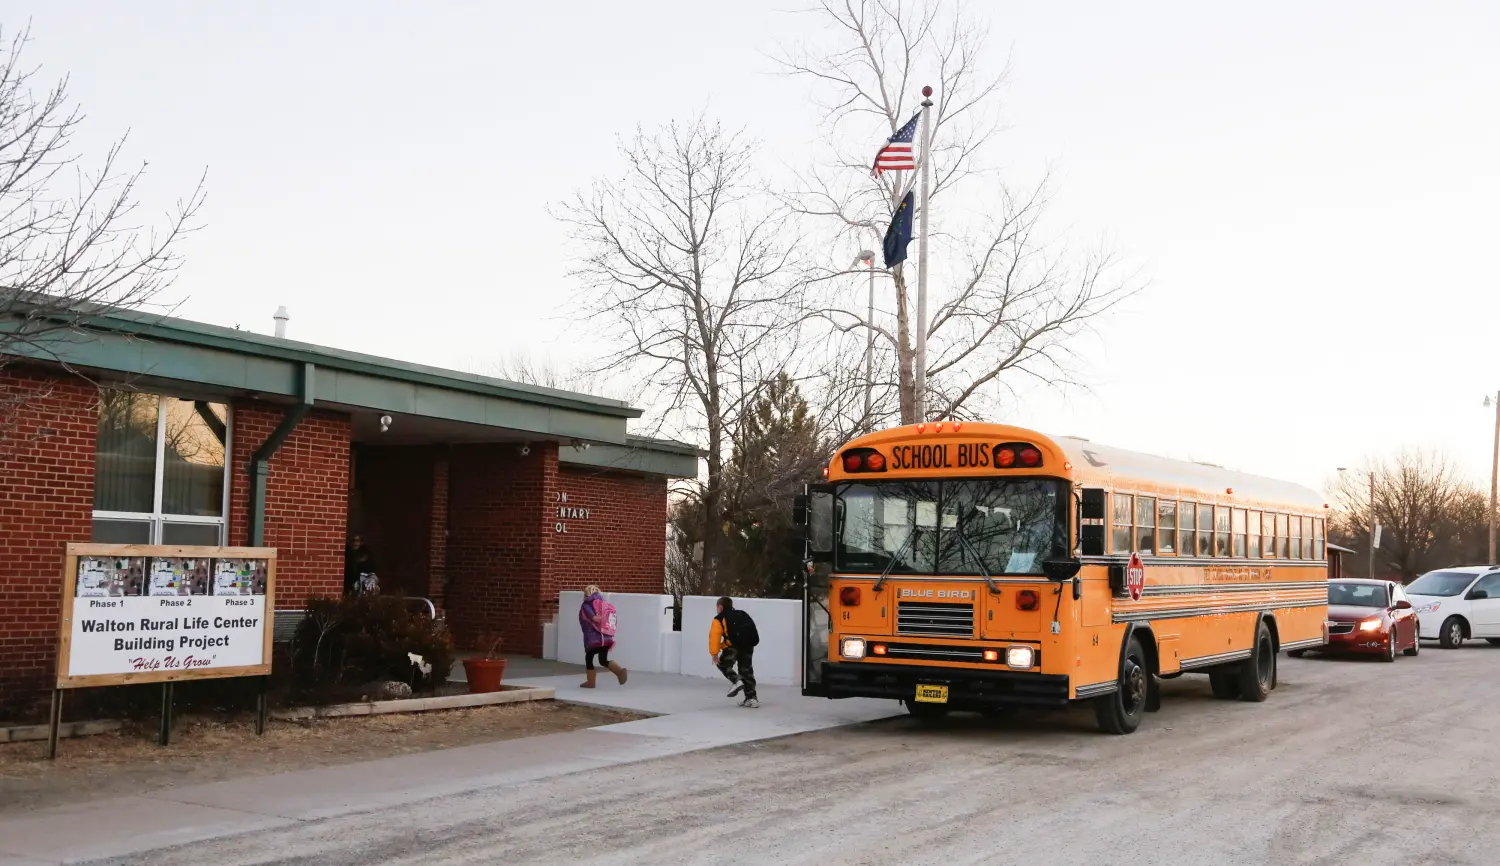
x,y
307,498
437,549
500,547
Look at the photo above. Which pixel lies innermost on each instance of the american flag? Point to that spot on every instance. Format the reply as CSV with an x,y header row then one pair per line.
x,y
897,153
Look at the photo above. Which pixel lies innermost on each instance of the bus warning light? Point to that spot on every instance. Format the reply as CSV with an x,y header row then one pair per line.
x,y
849,596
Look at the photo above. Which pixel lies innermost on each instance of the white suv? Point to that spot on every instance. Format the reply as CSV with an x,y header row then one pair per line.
x,y
1453,604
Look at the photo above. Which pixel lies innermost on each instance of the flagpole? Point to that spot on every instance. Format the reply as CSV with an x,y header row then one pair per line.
x,y
921,371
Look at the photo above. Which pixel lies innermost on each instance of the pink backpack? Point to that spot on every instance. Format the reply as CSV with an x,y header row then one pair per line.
x,y
604,612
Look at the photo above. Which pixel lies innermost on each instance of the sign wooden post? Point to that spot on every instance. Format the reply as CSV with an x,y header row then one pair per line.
x,y
162,614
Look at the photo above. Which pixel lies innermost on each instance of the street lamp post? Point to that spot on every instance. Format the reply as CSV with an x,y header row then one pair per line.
x,y
868,258
1494,474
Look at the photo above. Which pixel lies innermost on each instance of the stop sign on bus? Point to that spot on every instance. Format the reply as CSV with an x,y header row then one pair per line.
x,y
1135,577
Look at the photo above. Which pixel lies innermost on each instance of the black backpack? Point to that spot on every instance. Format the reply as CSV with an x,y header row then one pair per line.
x,y
741,629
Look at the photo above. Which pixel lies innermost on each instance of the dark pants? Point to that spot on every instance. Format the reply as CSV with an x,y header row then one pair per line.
x,y
729,658
589,653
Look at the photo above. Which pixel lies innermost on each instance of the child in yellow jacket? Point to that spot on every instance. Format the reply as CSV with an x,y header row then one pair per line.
x,y
727,657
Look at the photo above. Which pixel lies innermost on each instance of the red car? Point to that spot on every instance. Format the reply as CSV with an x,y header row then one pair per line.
x,y
1372,617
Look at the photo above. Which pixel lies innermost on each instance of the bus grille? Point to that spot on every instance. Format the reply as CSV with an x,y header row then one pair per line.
x,y
942,619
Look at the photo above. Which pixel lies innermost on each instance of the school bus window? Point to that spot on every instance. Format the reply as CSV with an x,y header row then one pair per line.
x,y
1319,552
1254,536
1296,537
1221,533
1124,506
1237,526
1145,524
1166,527
1205,529
1282,547
1186,517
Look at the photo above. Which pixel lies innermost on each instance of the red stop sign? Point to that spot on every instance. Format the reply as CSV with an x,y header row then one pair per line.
x,y
1135,577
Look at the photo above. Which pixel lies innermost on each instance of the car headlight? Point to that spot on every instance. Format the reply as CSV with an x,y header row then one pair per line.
x,y
852,647
1369,624
1019,656
1427,608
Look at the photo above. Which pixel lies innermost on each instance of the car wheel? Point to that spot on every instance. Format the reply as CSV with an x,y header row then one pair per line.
x,y
926,712
1296,654
1120,711
1416,645
1226,687
1258,673
1452,634
1390,648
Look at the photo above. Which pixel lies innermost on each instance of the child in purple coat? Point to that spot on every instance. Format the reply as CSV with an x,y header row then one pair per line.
x,y
596,644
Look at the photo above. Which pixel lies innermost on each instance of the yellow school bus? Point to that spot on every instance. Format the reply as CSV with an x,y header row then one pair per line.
x,y
984,567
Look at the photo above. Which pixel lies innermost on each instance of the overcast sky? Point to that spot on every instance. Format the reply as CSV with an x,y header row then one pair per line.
x,y
1311,187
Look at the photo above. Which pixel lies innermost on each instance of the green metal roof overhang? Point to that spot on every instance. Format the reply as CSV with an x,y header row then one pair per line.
x,y
140,348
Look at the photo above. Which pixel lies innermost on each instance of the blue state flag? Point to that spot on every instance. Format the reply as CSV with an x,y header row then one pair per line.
x,y
899,234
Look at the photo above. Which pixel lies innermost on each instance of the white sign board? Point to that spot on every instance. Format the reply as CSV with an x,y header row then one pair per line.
x,y
133,613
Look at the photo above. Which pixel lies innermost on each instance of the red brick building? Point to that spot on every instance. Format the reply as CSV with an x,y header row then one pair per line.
x,y
486,497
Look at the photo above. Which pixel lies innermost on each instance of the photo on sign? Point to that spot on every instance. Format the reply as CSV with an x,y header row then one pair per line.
x,y
110,577
176,576
239,577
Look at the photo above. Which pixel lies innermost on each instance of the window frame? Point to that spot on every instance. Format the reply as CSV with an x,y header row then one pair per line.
x,y
1161,505
156,519
1253,533
1115,526
1238,520
1139,534
1187,530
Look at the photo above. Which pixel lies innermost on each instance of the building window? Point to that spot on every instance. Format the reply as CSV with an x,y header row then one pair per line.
x,y
160,470
1254,535
1281,537
1166,527
1205,529
1145,524
1237,526
1124,505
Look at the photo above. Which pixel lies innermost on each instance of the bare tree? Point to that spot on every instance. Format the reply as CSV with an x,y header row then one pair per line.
x,y
71,247
687,275
1009,298
544,373
1430,515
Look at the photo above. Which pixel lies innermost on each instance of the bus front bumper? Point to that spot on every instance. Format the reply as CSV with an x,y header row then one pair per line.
x,y
967,689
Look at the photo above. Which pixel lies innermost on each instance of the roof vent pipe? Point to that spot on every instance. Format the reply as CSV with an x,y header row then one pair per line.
x,y
281,318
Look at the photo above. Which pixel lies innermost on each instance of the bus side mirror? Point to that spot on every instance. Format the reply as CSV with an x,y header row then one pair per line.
x,y
1091,512
799,510
1060,570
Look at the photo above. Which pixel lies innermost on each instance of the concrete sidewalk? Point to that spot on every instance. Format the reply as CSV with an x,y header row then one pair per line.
x,y
689,714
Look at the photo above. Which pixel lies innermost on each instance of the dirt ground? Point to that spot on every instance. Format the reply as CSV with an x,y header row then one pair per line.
x,y
209,750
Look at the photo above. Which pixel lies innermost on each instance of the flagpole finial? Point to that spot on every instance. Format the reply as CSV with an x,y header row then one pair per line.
x,y
927,91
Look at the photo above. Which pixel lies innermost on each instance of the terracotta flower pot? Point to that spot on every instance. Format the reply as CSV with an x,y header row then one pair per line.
x,y
484,674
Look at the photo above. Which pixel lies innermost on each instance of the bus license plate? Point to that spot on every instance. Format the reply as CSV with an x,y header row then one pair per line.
x,y
932,694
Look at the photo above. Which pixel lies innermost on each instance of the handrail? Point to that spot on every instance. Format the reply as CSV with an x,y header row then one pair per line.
x,y
431,608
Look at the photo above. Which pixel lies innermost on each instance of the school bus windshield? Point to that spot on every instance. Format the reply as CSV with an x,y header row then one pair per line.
x,y
956,527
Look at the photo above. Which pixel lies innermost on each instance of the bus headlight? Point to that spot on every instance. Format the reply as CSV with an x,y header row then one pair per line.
x,y
852,647
1019,656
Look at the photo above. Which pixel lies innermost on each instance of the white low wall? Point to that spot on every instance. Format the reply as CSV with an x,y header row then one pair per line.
x,y
643,624
645,641
778,658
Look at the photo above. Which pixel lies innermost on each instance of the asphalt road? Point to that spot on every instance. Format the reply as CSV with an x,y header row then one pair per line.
x,y
1348,762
